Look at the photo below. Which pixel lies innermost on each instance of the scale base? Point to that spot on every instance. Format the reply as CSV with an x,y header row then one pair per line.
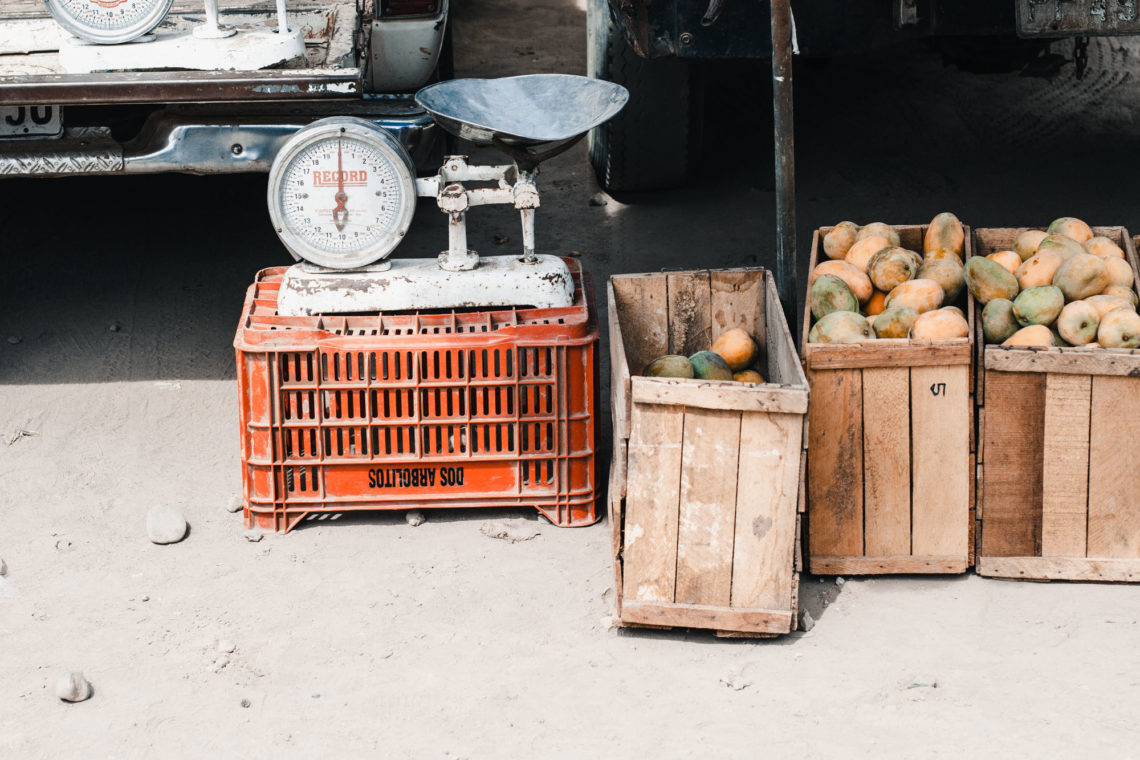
x,y
248,49
419,284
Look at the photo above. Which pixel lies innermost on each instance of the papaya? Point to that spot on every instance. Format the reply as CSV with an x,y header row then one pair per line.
x,y
954,309
839,240
1102,246
1008,259
1039,269
875,304
1119,273
861,253
710,366
1025,244
738,349
895,322
747,376
1119,328
998,322
1070,227
1078,323
841,327
1058,341
988,280
669,366
940,255
1128,294
1034,335
948,273
1067,247
1081,276
1039,305
1105,303
879,229
920,295
940,324
855,278
944,233
891,267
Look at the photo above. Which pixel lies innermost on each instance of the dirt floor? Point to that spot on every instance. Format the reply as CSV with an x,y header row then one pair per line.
x,y
367,637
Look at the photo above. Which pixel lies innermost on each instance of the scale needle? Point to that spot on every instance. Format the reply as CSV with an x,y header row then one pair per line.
x,y
340,213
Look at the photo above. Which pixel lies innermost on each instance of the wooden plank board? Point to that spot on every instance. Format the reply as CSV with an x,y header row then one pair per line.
x,y
766,517
835,464
940,420
690,317
1065,478
1061,568
888,565
642,303
718,394
737,300
886,452
1114,478
706,616
709,460
651,509
889,353
619,369
1072,361
1014,446
783,362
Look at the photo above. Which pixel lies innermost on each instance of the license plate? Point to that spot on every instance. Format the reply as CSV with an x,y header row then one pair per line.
x,y
1059,18
30,121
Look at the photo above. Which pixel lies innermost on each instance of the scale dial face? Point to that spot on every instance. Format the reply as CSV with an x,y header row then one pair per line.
x,y
109,22
342,193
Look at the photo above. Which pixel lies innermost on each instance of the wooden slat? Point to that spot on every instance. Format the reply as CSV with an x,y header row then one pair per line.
x,y
1014,446
888,353
650,534
619,369
973,509
706,616
737,300
1065,479
887,565
783,361
940,419
690,323
1114,478
886,452
709,394
709,461
1070,361
1061,568
835,464
642,303
766,517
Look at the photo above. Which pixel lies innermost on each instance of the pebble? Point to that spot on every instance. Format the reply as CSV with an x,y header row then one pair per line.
x,y
839,581
807,622
923,682
235,504
3,567
146,598
14,339
165,525
73,687
62,545
415,518
511,530
253,535
736,682
225,646
598,199
245,703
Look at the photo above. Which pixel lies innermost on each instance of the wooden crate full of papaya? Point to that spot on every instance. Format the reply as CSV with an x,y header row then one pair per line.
x,y
1058,386
709,402
887,346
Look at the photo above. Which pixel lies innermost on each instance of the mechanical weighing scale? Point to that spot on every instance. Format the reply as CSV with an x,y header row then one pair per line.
x,y
342,193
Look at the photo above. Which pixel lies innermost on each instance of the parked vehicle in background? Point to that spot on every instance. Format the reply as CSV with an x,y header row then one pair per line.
x,y
362,58
656,48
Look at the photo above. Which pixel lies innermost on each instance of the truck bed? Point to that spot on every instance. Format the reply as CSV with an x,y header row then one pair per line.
x,y
30,72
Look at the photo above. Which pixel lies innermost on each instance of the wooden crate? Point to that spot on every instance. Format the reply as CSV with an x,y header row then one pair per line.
x,y
705,482
1058,487
890,477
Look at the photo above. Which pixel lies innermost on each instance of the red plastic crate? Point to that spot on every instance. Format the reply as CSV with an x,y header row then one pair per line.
x,y
417,410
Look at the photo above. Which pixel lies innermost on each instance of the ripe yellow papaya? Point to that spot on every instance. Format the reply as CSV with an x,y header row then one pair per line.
x,y
920,295
940,324
839,240
879,229
944,233
1070,227
988,280
1078,323
1082,276
1034,335
1008,259
1102,246
1025,244
862,251
855,278
738,349
841,327
891,267
1038,269
1119,328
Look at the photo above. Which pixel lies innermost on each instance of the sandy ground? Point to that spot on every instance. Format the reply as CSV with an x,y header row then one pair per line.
x,y
367,637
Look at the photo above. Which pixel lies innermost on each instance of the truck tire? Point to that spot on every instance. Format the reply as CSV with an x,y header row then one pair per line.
x,y
654,143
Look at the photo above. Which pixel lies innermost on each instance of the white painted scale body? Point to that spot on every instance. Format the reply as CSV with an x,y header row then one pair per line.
x,y
109,21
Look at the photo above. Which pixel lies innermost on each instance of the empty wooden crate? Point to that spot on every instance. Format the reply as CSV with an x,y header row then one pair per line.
x,y
1058,485
890,475
705,483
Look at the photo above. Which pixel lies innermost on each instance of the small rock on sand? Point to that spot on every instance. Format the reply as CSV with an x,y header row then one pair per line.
x,y
253,535
235,504
73,687
3,567
512,530
415,518
165,525
225,646
598,199
807,622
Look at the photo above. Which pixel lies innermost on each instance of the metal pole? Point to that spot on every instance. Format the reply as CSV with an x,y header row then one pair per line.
x,y
785,157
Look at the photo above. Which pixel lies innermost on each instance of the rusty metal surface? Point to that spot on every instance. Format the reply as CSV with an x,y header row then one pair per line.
x,y
179,87
1059,18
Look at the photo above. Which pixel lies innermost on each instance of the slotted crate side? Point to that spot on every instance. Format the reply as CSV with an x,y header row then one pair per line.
x,y
1056,483
890,467
705,480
